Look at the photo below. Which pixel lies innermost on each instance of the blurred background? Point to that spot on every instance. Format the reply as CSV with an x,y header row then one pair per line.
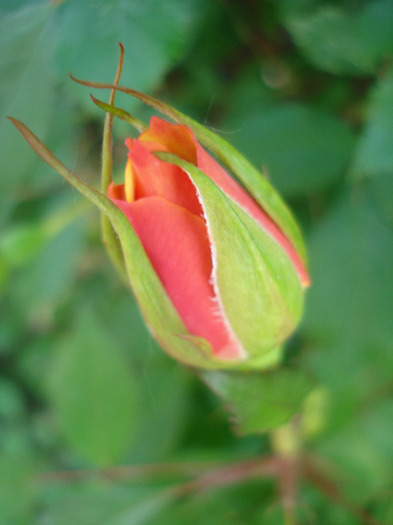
x,y
305,90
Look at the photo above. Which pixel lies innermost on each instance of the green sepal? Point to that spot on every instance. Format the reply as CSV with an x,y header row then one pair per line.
x,y
259,187
121,114
257,285
109,238
260,400
156,307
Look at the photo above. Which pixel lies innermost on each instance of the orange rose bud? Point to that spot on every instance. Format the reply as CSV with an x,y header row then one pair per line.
x,y
232,275
218,268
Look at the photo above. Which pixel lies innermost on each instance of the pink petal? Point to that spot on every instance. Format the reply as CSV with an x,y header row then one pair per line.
x,y
177,245
180,140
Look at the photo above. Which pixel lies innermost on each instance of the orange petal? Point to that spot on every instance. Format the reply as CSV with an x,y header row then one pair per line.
x,y
177,245
117,192
176,138
153,177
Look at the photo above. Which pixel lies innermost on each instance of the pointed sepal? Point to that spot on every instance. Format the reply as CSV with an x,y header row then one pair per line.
x,y
255,281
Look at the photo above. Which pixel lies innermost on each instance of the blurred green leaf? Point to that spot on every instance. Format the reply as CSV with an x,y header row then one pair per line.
x,y
22,243
348,315
163,393
377,427
27,85
260,401
374,154
89,32
233,505
384,508
316,506
33,362
146,510
15,5
351,42
381,191
41,284
20,33
17,490
101,502
248,95
11,401
92,391
351,299
363,450
302,149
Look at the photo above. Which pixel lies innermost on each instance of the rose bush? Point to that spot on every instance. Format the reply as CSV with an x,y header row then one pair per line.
x,y
233,276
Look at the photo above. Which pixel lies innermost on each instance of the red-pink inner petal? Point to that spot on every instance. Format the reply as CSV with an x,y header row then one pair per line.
x,y
177,245
180,140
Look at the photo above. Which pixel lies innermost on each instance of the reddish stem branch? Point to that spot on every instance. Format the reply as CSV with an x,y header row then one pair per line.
x,y
209,475
288,479
230,475
130,472
314,475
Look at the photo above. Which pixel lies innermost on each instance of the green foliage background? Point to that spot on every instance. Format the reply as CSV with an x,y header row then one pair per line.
x,y
303,88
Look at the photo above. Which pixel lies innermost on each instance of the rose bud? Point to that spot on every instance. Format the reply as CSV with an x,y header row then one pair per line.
x,y
233,279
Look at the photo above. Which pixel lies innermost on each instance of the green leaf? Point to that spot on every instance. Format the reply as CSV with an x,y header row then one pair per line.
x,y
344,42
303,149
8,6
352,295
163,393
374,154
146,510
89,31
260,401
26,88
348,320
40,285
381,191
17,488
92,391
18,45
101,501
240,502
363,449
22,243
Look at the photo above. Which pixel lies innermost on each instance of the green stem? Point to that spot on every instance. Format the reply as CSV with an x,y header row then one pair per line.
x,y
109,236
285,442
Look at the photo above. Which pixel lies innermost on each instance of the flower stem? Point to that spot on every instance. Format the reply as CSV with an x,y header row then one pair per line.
x,y
285,442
